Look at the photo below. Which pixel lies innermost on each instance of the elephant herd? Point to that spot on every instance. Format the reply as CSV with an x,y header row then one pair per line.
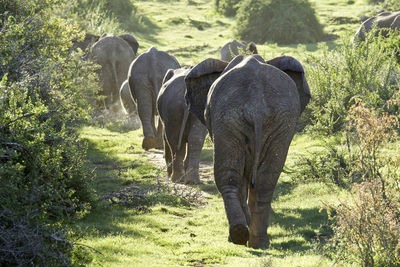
x,y
248,105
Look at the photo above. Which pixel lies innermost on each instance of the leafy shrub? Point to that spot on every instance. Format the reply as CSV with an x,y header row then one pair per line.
x,y
227,7
367,71
332,164
43,100
367,229
105,16
280,21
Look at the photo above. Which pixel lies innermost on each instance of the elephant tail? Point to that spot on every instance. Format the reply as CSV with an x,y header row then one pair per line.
x,y
115,78
185,117
257,150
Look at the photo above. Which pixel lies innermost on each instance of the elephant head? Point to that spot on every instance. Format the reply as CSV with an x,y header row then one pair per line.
x,y
250,108
133,43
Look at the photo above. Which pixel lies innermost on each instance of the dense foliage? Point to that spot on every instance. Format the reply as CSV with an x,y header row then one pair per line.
x,y
278,21
43,99
227,7
367,71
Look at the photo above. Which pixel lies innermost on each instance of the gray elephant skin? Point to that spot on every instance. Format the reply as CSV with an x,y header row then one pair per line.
x,y
250,108
114,55
183,134
234,48
145,77
127,102
383,22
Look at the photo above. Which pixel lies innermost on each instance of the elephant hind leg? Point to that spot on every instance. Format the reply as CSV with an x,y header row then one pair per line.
x,y
229,164
260,197
167,156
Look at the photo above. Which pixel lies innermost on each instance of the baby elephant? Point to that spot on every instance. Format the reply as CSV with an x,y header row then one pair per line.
x,y
184,134
234,48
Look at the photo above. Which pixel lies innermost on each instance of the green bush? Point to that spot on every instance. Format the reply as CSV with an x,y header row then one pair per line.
x,y
43,101
367,71
278,21
333,164
105,16
227,7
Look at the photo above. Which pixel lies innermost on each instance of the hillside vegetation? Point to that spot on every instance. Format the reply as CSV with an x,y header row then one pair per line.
x,y
75,178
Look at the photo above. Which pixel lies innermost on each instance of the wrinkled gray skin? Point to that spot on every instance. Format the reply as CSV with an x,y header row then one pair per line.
x,y
184,134
127,102
382,22
234,48
250,108
145,77
114,55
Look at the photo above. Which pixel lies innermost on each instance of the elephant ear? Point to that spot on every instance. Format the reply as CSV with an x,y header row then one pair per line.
x,y
396,23
168,75
295,70
133,43
198,82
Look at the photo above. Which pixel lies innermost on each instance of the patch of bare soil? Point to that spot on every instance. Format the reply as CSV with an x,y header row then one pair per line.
x,y
205,170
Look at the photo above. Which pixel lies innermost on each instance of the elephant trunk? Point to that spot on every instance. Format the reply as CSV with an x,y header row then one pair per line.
x,y
238,229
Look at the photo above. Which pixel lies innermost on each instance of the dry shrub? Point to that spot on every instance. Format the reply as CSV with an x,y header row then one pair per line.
x,y
367,229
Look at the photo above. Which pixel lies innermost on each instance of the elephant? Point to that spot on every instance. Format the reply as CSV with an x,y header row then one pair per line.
x,y
250,108
183,133
86,43
234,48
145,77
383,22
114,55
131,41
125,96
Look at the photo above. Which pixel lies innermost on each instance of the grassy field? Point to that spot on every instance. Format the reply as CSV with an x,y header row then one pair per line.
x,y
169,230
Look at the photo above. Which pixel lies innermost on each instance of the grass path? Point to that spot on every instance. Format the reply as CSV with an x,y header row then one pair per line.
x,y
166,230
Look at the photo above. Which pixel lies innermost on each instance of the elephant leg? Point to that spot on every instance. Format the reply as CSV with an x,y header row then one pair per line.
x,y
145,110
229,161
167,156
260,196
197,134
177,164
159,135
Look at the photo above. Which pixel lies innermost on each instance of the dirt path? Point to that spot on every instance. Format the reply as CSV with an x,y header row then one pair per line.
x,y
156,157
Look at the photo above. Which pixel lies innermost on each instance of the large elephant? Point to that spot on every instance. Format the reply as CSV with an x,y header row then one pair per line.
x,y
250,108
114,55
234,48
184,134
383,22
127,102
145,77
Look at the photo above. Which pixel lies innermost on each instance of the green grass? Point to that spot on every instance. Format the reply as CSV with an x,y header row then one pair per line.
x,y
173,233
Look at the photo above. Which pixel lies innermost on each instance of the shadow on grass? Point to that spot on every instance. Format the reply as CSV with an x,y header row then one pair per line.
x,y
303,222
283,188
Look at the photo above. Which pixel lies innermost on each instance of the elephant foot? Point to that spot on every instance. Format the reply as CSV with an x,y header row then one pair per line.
x,y
192,179
239,234
177,176
149,142
258,242
159,145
